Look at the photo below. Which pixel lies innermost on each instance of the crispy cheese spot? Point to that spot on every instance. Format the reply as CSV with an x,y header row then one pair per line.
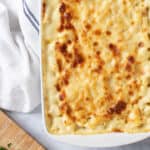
x,y
43,9
78,59
98,53
118,108
135,85
131,93
128,76
97,32
49,115
88,26
61,28
58,88
128,67
148,80
114,49
69,41
59,64
132,23
148,36
67,16
141,44
69,26
108,96
108,33
124,2
65,108
78,1
131,59
61,47
62,8
95,44
117,130
98,69
66,78
62,96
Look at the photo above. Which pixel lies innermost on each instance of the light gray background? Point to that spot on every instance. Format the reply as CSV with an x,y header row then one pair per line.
x,y
33,124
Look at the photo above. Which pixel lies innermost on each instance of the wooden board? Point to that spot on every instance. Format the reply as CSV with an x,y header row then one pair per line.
x,y
10,132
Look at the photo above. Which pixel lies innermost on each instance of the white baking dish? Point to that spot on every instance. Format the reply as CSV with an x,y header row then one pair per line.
x,y
97,140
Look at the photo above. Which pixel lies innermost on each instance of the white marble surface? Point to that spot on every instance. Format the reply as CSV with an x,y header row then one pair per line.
x,y
33,124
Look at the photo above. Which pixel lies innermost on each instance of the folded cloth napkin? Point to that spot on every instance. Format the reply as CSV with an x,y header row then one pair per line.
x,y
19,55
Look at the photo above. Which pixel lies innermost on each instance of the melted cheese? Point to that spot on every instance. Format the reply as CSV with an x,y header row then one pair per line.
x,y
96,65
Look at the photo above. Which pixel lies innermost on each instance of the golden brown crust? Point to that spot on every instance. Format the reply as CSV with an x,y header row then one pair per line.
x,y
96,66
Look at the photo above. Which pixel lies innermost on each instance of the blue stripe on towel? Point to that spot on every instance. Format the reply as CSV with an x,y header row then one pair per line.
x,y
29,11
30,16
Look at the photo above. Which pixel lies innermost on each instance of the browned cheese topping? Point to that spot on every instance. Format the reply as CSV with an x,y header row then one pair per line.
x,y
97,65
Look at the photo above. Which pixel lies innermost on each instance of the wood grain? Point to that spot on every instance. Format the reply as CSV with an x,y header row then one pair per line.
x,y
10,132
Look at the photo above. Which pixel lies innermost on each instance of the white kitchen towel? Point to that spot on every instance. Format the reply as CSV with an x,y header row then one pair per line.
x,y
19,55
